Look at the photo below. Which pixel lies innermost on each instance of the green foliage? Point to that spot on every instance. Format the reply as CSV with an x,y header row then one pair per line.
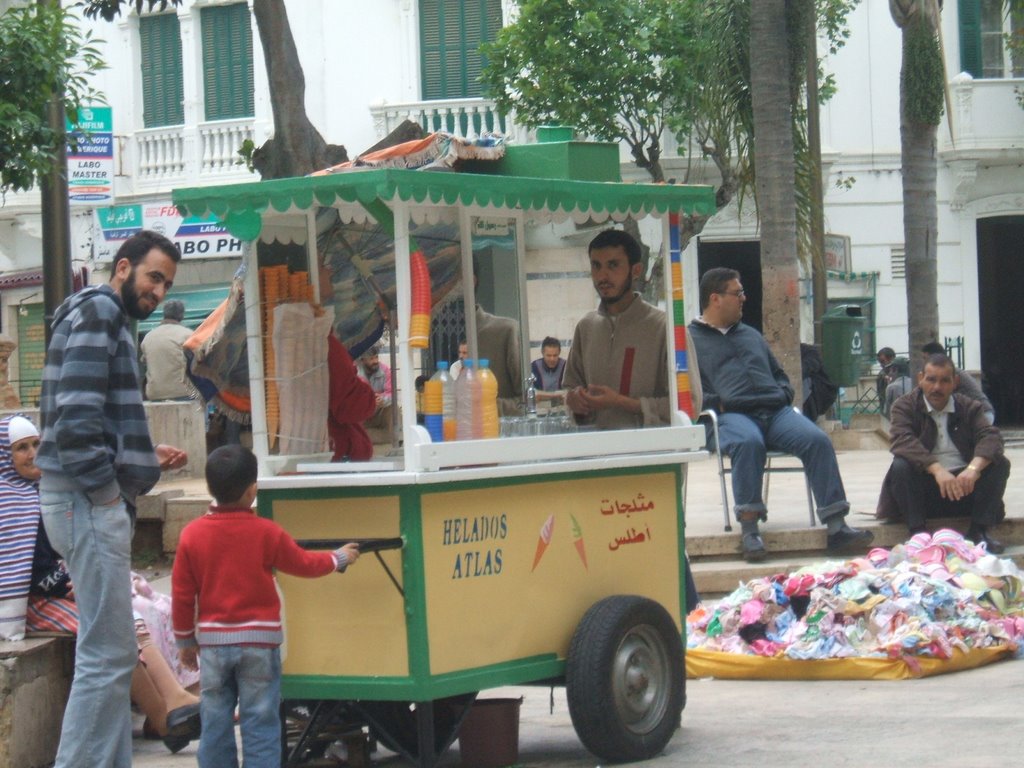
x,y
923,79
42,53
244,153
720,120
108,10
613,69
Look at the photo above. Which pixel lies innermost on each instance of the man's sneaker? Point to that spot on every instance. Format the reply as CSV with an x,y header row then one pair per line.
x,y
848,539
753,548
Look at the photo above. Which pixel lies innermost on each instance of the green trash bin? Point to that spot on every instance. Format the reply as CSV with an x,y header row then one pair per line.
x,y
843,331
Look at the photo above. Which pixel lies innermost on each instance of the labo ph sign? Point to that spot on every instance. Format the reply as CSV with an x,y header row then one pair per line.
x,y
196,237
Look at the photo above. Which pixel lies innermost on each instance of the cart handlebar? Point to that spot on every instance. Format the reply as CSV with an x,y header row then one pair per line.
x,y
365,545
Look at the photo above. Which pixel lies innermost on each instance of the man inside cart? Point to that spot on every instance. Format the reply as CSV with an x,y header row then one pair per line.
x,y
616,374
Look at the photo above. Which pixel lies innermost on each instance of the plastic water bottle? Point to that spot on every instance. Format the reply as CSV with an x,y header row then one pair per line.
x,y
490,425
433,403
466,402
447,400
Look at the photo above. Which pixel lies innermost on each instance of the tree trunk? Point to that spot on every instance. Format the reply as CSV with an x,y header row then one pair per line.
x,y
297,148
920,218
775,169
819,278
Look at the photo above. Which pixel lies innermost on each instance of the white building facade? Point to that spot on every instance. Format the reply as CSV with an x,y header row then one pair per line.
x,y
188,87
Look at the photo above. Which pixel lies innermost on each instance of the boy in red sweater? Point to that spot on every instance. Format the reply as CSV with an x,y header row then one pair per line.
x,y
225,605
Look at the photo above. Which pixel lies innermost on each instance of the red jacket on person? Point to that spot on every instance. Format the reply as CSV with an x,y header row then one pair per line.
x,y
351,402
222,584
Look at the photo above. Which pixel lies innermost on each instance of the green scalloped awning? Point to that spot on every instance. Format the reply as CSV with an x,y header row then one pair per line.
x,y
242,206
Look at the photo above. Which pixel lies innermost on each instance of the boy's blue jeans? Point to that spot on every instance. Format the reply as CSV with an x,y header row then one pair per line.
x,y
251,677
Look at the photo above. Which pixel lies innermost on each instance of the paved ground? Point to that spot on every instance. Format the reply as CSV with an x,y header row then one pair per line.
x,y
965,719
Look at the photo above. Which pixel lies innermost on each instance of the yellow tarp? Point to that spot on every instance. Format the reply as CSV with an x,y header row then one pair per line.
x,y
735,666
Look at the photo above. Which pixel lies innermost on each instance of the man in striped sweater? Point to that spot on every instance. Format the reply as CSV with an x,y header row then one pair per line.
x,y
224,604
96,456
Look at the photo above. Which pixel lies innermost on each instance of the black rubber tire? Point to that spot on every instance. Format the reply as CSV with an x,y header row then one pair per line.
x,y
625,678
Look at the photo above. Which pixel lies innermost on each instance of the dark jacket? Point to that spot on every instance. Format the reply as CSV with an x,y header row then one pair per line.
x,y
913,435
738,372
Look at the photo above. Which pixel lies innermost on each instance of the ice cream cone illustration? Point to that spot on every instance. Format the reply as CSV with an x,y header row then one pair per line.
x,y
577,540
543,541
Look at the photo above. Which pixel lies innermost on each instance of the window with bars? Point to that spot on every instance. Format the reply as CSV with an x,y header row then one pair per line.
x,y
984,28
227,62
162,82
451,32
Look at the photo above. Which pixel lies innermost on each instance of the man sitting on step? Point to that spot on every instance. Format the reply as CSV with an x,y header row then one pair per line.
x,y
744,382
947,457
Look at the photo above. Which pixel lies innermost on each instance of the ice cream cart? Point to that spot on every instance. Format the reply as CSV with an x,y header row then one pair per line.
x,y
532,558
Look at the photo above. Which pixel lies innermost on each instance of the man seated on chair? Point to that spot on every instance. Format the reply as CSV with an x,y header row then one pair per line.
x,y
745,384
947,458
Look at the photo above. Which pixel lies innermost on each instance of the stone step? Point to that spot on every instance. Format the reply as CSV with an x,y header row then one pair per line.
x,y
718,565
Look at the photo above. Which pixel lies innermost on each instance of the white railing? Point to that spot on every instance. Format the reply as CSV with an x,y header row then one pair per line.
x,y
160,154
466,118
220,142
183,155
986,115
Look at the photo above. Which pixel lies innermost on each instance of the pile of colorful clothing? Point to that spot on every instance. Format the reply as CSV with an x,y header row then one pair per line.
x,y
930,597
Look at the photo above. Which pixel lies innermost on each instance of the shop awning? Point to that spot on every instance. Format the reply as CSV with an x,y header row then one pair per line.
x,y
242,206
30,278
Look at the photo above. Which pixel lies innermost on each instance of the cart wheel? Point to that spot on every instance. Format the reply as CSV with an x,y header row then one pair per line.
x,y
624,678
393,723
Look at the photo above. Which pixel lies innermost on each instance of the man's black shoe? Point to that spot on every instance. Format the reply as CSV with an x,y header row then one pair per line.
x,y
980,536
753,548
848,539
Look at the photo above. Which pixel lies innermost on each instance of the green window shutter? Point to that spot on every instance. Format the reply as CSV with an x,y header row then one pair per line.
x,y
451,32
162,81
969,13
227,62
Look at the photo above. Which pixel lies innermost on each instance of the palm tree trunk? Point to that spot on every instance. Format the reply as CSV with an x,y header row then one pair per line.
x,y
920,220
775,171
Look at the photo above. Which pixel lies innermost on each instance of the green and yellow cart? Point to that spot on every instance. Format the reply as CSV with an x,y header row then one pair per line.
x,y
553,558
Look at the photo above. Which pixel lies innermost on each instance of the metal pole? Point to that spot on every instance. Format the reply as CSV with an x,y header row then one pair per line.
x,y
55,213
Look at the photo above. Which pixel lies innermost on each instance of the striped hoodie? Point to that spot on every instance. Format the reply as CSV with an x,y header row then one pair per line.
x,y
223,589
95,437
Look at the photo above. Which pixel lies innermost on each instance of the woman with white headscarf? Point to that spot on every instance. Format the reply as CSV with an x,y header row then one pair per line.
x,y
19,520
36,592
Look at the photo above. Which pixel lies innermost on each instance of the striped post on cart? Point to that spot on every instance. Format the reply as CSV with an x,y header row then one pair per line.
x,y
685,399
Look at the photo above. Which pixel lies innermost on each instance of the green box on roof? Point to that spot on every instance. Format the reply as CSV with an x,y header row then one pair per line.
x,y
556,156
